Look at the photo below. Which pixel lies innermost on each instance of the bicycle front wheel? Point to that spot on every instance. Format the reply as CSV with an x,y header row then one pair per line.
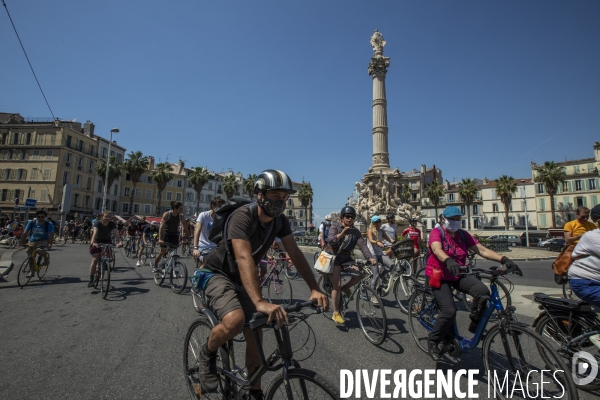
x,y
195,339
178,277
290,269
503,293
326,286
25,270
371,315
302,384
513,352
160,274
422,313
105,279
41,272
279,290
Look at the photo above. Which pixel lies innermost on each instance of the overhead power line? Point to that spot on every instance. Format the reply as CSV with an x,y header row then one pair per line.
x,y
24,52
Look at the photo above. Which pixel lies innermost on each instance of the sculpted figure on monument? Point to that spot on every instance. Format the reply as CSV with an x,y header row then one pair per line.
x,y
377,42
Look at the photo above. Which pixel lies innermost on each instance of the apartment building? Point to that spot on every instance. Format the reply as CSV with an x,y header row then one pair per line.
x,y
113,194
39,156
418,180
580,188
145,197
452,197
521,211
299,217
211,189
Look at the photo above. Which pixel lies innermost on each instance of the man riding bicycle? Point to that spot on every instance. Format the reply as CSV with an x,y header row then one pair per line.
x,y
169,230
324,231
41,234
203,224
233,290
343,237
147,234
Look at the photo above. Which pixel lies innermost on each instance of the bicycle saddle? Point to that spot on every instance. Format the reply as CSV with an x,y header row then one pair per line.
x,y
562,303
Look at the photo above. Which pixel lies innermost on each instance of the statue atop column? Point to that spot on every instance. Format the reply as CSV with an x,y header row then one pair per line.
x,y
377,42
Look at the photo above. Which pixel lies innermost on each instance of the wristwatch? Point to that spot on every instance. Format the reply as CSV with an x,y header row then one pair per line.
x,y
196,248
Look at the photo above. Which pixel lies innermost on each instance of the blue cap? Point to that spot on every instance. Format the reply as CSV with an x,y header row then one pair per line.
x,y
375,218
452,211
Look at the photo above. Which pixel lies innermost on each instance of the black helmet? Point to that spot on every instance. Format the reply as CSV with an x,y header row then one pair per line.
x,y
413,219
390,216
348,210
273,179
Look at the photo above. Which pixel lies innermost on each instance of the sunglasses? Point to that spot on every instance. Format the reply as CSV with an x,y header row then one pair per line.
x,y
584,216
350,216
40,217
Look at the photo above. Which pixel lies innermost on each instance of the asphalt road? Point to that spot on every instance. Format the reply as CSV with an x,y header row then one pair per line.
x,y
61,340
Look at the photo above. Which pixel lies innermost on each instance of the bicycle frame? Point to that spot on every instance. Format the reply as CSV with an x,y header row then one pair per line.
x,y
272,267
494,304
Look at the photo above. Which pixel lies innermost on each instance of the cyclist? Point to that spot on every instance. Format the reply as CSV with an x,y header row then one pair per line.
x,y
145,237
169,229
584,272
576,228
412,232
101,233
87,227
40,234
375,243
142,224
132,231
203,224
449,246
390,229
343,237
324,231
233,291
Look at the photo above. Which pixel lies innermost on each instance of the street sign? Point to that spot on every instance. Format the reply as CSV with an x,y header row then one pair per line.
x,y
30,202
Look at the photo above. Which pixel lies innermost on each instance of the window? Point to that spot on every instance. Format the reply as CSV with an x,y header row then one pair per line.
x,y
136,208
98,203
116,190
593,200
147,208
148,193
576,169
581,201
149,179
170,183
80,145
540,188
450,197
104,152
48,154
413,185
89,183
301,214
39,138
124,207
179,183
169,195
35,155
475,210
78,181
33,174
210,186
219,190
76,199
592,184
208,198
68,140
177,196
577,185
543,220
91,167
128,177
495,207
475,223
80,163
65,177
202,198
494,221
290,202
87,201
100,186
462,209
413,197
542,205
138,192
68,158
44,195
92,150
46,174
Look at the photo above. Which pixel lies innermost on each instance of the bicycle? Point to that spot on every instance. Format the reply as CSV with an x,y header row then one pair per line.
x,y
279,282
186,249
30,266
234,383
504,343
130,248
9,240
171,265
571,326
103,268
148,251
371,316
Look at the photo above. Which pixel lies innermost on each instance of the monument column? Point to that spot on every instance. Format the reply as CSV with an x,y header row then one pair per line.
x,y
377,70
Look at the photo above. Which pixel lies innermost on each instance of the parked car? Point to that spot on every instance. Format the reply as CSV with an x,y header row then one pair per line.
x,y
556,244
513,240
545,243
299,234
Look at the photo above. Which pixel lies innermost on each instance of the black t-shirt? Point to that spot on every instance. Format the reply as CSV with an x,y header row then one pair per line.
x,y
132,229
103,232
240,227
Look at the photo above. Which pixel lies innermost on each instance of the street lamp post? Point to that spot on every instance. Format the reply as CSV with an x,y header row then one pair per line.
x,y
526,219
115,130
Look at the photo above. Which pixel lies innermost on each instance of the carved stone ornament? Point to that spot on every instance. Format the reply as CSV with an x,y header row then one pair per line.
x,y
379,159
377,42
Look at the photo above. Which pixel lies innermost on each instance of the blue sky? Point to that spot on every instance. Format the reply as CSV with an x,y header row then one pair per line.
x,y
475,87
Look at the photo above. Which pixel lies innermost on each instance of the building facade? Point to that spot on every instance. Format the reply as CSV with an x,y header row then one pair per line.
x,y
580,188
113,194
521,211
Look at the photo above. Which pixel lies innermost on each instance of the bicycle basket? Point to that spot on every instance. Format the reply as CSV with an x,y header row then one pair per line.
x,y
403,248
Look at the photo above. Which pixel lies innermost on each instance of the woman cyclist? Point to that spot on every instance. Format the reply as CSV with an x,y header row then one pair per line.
x,y
342,239
375,236
449,246
101,233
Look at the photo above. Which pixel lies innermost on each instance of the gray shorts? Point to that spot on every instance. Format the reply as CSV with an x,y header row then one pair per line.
x,y
225,296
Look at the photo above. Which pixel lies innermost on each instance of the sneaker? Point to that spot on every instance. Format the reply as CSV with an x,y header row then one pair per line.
x,y
208,370
434,350
139,264
337,317
347,292
374,300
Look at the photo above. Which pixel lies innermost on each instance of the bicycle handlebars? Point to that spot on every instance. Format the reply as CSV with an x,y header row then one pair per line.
x,y
259,319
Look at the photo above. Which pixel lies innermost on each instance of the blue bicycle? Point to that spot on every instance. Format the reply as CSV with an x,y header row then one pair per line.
x,y
510,349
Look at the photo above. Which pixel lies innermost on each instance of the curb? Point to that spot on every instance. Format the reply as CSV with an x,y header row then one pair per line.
x,y
534,259
6,262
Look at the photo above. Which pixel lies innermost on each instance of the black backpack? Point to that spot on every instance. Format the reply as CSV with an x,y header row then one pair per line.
x,y
221,218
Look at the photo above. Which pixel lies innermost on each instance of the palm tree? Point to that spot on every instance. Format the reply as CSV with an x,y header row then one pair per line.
x,y
550,175
162,174
230,185
198,178
505,188
114,172
434,191
249,185
467,191
405,193
305,195
135,165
